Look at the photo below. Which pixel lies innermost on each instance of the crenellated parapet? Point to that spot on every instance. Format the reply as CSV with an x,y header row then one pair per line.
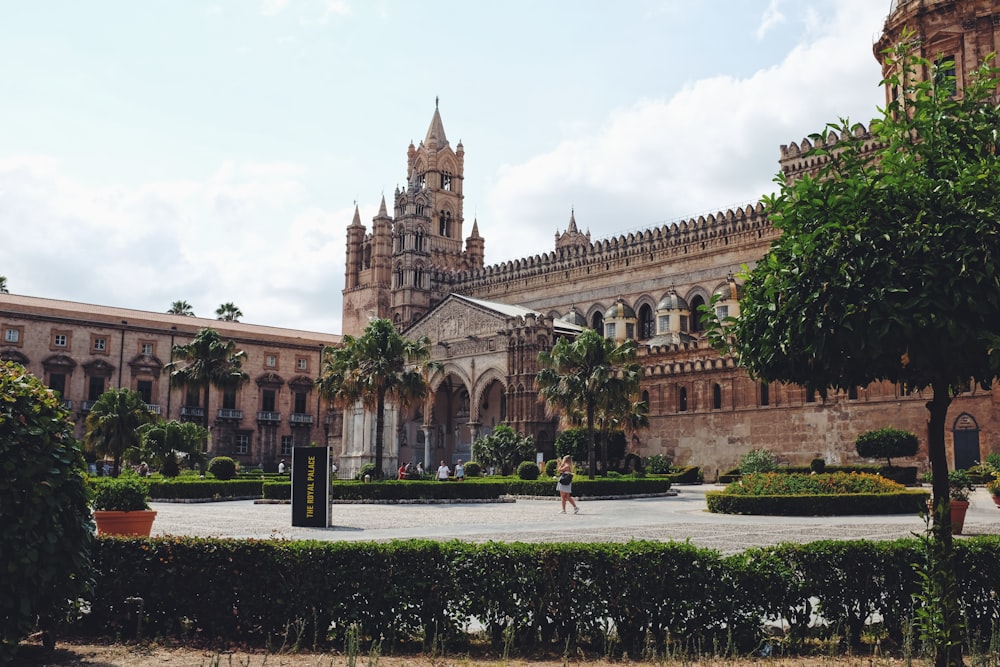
x,y
695,356
795,160
703,234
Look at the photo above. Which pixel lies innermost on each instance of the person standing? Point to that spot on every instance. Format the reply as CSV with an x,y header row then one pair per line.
x,y
565,484
281,467
443,472
459,471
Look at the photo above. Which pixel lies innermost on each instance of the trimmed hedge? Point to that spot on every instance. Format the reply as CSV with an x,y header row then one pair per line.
x,y
477,489
905,502
906,475
205,488
656,596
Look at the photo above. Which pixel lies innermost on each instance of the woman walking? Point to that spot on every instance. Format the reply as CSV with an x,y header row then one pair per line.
x,y
565,484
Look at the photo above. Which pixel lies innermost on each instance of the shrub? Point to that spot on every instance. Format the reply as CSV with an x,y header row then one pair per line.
x,y
574,442
527,470
222,467
46,538
758,460
886,443
775,484
122,494
550,467
366,469
657,464
817,465
473,469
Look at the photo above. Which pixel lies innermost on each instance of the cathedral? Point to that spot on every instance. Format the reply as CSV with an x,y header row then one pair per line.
x,y
488,323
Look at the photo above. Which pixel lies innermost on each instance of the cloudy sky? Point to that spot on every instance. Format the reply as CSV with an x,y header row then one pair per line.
x,y
213,151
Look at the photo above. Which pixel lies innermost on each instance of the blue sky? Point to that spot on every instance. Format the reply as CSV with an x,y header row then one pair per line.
x,y
213,151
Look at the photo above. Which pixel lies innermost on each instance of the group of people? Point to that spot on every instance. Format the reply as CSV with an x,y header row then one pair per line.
x,y
443,474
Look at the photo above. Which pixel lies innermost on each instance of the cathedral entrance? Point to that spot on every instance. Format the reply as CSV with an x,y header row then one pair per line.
x,y
450,432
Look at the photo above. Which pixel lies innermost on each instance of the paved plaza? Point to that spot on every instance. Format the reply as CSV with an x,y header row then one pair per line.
x,y
678,518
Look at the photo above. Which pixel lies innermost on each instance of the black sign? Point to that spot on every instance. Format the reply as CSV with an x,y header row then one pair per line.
x,y
311,486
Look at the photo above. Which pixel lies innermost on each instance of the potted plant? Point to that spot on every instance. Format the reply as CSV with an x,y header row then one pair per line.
x,y
994,488
121,507
960,487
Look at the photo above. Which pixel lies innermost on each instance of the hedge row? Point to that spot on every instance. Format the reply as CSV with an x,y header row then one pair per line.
x,y
903,474
906,502
606,598
206,488
476,489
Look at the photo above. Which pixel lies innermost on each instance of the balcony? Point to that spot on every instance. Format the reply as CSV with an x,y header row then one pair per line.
x,y
153,407
268,417
300,419
192,411
68,404
229,414
85,406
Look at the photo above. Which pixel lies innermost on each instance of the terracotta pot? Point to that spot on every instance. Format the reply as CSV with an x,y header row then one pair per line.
x,y
124,523
958,510
996,500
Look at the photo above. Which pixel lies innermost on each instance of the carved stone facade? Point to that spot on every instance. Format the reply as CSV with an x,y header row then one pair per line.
x,y
648,286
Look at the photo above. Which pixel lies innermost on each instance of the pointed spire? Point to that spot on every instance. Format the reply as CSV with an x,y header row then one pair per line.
x,y
357,216
382,212
572,221
435,132
475,228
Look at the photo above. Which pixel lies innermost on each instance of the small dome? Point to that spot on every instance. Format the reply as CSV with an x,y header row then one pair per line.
x,y
620,310
730,291
574,316
672,302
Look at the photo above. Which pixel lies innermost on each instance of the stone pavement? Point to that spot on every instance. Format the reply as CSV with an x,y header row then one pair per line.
x,y
676,518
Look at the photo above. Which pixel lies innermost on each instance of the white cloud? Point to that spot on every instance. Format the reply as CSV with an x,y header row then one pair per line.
x,y
711,146
772,17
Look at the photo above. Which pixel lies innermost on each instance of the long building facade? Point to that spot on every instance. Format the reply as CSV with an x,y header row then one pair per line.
x,y
487,323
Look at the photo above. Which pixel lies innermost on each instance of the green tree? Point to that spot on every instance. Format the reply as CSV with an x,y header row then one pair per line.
x,y
181,308
207,361
3,285
113,423
47,531
161,442
887,270
587,377
887,442
228,312
379,364
503,448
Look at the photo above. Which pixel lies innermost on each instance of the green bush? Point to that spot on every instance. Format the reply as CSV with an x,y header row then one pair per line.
x,y
686,475
121,494
659,597
657,464
817,465
527,470
222,467
45,541
776,483
758,460
473,469
550,467
886,443
368,469
200,489
907,501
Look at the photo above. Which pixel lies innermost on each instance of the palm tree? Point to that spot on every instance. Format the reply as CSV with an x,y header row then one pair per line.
x,y
206,362
377,365
584,377
3,285
113,423
181,308
228,312
162,441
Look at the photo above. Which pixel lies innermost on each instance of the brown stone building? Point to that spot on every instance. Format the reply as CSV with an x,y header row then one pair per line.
x,y
488,323
81,350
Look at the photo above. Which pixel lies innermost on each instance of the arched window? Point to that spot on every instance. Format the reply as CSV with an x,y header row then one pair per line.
x,y
645,399
682,399
646,330
597,323
696,322
716,397
765,394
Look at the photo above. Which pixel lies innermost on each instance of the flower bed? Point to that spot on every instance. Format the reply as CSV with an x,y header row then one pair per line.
x,y
816,495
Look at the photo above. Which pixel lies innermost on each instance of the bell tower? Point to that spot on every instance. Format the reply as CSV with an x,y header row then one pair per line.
x,y
403,268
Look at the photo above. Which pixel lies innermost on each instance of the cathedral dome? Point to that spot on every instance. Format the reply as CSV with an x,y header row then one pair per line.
x,y
730,291
672,302
574,316
620,310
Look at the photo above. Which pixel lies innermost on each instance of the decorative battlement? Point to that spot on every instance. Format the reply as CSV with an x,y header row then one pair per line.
x,y
685,237
796,161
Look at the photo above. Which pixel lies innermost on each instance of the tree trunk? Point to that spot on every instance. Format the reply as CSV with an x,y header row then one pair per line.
x,y
948,654
591,449
379,428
